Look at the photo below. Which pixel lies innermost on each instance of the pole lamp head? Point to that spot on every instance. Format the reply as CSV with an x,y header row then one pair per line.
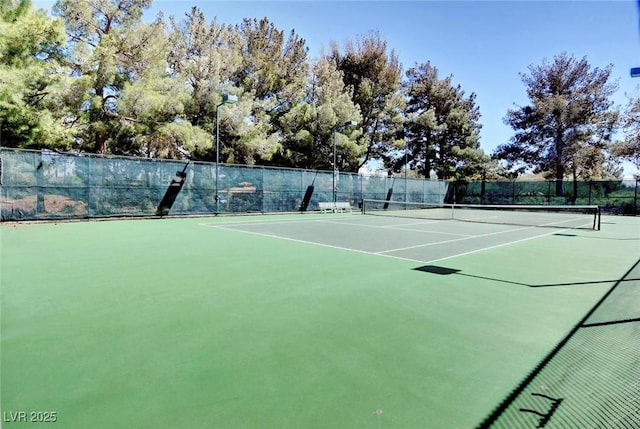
x,y
229,98
346,124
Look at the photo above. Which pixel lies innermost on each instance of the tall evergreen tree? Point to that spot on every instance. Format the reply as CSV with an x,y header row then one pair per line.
x,y
273,67
569,123
308,128
109,48
442,125
203,58
273,72
252,60
629,148
374,75
31,45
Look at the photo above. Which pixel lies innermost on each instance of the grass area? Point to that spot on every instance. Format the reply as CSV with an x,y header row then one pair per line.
x,y
169,324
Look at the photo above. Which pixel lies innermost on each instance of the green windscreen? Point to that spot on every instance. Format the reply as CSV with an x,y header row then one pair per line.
x,y
52,185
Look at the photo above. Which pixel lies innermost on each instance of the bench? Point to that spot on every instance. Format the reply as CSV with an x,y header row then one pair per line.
x,y
340,206
325,206
343,206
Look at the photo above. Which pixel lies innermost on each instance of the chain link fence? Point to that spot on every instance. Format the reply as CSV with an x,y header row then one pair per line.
x,y
613,196
52,185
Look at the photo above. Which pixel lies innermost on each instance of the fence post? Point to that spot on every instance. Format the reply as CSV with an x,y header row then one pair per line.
x,y
261,192
406,197
40,208
635,198
88,184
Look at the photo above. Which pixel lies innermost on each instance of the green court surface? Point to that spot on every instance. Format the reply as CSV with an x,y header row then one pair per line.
x,y
319,321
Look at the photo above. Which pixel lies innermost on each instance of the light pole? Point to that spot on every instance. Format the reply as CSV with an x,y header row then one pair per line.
x,y
406,167
226,99
335,165
427,160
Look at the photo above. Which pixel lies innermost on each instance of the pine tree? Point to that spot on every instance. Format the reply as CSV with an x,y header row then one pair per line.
x,y
31,47
109,48
568,125
442,128
308,127
374,75
629,148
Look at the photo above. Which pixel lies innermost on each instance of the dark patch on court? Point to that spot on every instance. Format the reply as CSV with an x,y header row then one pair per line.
x,y
434,269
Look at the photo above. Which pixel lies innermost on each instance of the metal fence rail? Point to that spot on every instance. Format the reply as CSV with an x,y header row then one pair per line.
x,y
613,196
52,185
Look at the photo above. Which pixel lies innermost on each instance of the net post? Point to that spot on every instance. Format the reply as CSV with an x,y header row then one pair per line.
x,y
598,215
635,197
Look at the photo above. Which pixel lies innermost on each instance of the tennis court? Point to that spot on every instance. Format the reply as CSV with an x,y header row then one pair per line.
x,y
322,321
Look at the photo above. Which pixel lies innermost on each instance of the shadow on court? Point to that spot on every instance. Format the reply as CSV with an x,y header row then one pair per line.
x,y
435,269
590,379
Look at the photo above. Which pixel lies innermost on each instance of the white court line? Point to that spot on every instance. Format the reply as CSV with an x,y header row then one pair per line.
x,y
415,222
455,239
393,227
424,222
296,240
259,222
568,220
430,232
482,249
286,222
491,247
401,227
478,219
469,237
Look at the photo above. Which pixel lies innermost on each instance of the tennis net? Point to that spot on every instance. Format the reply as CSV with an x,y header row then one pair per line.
x,y
571,217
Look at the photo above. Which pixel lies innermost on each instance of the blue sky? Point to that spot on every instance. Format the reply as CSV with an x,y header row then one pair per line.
x,y
484,45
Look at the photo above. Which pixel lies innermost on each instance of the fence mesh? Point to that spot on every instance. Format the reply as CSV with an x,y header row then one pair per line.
x,y
592,378
51,185
613,196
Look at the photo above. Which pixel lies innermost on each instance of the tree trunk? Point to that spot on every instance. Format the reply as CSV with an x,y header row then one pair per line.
x,y
559,186
483,186
574,198
559,165
427,163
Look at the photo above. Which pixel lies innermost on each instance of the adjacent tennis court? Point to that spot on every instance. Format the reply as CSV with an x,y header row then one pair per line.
x,y
323,321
